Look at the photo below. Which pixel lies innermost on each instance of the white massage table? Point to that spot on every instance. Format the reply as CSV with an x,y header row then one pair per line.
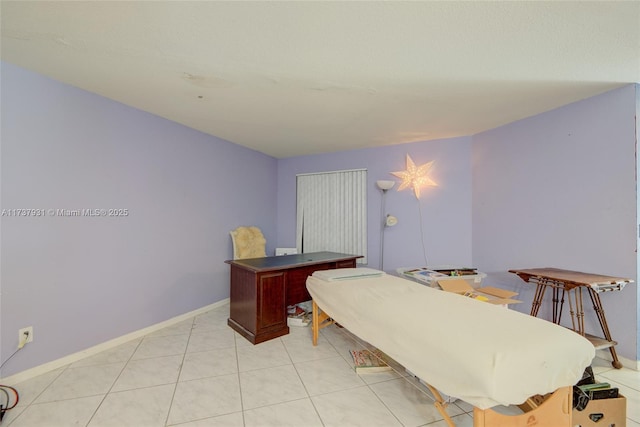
x,y
483,354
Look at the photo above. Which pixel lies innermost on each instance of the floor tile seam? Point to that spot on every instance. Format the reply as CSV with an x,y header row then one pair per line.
x,y
156,356
464,411
151,358
34,400
216,336
419,387
202,419
398,370
276,404
93,365
153,339
210,329
620,383
123,362
316,409
453,417
165,335
50,402
141,388
263,368
359,342
15,418
304,386
399,378
213,333
190,355
235,340
68,399
385,405
205,377
352,339
210,349
301,343
175,387
335,348
114,382
336,356
311,396
319,359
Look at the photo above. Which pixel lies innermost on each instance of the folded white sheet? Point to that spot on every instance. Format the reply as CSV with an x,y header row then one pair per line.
x,y
478,352
346,273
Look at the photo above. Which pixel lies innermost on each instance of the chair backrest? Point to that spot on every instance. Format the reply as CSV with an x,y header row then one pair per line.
x,y
248,242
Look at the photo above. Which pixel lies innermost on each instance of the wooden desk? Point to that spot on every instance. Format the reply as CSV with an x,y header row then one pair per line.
x,y
565,281
262,288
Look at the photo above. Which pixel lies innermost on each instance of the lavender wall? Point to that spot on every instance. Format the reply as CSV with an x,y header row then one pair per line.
x,y
80,281
637,87
446,209
555,189
559,190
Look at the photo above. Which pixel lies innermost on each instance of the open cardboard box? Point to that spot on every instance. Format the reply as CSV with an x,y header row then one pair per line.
x,y
431,275
602,412
487,293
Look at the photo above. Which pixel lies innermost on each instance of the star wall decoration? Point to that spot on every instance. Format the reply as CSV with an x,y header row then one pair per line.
x,y
415,177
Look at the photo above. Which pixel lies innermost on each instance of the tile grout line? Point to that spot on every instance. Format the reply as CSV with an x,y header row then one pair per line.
x,y
39,394
306,390
235,341
175,387
114,382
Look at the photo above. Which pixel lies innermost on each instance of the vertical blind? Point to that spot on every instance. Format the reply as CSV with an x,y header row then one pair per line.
x,y
332,212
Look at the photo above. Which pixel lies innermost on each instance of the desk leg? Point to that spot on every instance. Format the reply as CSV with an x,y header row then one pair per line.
x,y
537,299
597,306
315,323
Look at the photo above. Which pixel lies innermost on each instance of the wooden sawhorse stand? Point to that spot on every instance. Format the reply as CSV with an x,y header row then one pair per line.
x,y
564,282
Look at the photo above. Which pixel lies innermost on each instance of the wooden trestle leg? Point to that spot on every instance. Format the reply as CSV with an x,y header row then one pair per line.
x,y
440,405
537,299
597,307
319,320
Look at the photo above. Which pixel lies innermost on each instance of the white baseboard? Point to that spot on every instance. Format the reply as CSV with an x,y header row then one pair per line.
x,y
605,354
66,360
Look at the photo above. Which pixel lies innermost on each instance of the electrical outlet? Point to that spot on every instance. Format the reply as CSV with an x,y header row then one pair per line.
x,y
25,335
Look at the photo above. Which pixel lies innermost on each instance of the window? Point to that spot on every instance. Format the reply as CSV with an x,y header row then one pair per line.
x,y
332,212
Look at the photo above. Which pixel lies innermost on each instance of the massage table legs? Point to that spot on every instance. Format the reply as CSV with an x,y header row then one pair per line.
x,y
554,411
319,320
440,405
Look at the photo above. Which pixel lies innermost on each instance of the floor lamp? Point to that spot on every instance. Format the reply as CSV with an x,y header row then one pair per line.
x,y
387,220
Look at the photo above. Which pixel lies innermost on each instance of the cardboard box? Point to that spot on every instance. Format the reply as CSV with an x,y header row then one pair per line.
x,y
488,293
554,411
602,413
429,276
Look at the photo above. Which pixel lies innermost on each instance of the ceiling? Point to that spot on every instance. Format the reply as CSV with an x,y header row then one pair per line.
x,y
297,78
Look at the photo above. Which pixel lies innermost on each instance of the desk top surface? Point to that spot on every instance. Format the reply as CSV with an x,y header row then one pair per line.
x,y
290,261
575,278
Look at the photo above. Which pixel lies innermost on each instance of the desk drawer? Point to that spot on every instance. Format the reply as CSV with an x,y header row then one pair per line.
x,y
297,283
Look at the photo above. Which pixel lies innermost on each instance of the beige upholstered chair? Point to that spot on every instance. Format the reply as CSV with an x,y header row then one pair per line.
x,y
248,242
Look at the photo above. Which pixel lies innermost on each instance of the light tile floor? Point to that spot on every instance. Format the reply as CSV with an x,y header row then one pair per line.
x,y
201,373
